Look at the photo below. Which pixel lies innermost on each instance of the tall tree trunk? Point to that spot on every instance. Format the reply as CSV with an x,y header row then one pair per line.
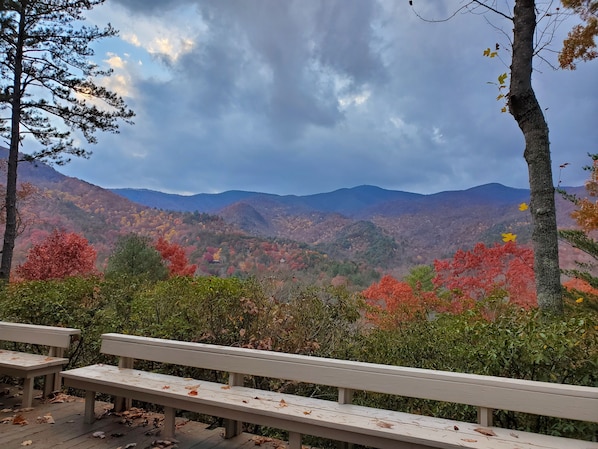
x,y
526,110
10,202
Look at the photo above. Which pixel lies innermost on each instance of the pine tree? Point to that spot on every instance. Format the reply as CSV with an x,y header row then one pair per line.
x,y
48,84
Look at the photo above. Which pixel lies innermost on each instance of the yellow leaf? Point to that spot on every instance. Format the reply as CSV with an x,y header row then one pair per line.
x,y
503,109
500,96
487,52
502,78
523,207
579,300
508,237
493,54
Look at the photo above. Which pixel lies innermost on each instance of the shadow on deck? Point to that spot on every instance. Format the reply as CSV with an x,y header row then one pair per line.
x,y
58,423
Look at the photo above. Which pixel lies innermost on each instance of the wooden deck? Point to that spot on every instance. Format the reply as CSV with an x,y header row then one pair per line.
x,y
58,423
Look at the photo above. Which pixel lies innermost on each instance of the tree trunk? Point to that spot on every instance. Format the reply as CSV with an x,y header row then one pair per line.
x,y
526,110
10,232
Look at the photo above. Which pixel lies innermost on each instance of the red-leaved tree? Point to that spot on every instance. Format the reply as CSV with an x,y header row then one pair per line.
x,y
392,302
506,270
176,258
62,254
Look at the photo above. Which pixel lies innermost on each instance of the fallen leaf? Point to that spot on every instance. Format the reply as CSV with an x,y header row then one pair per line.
x,y
225,387
192,393
384,424
283,403
455,427
191,387
99,434
165,387
27,443
307,412
514,435
6,410
46,419
487,432
19,420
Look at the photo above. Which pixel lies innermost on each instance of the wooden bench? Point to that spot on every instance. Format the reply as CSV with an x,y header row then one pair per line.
x,y
340,420
29,366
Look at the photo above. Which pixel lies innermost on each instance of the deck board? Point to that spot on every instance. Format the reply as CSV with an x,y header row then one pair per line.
x,y
69,431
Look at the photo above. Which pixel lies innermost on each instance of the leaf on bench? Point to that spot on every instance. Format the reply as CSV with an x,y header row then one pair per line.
x,y
483,431
283,403
192,393
384,424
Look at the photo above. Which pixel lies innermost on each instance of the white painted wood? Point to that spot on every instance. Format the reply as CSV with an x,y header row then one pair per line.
x,y
294,440
543,398
27,366
59,337
233,428
90,405
345,395
169,422
329,419
485,416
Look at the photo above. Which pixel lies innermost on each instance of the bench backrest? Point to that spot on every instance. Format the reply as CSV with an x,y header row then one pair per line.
x,y
541,398
57,337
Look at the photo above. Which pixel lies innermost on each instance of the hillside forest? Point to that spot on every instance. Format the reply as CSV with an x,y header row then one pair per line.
x,y
94,260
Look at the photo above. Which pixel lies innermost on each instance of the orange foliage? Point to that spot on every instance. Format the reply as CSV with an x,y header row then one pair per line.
x,y
580,43
581,286
393,302
586,215
486,271
60,255
174,255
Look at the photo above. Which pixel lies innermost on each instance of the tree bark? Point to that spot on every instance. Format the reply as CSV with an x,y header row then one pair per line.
x,y
526,110
10,232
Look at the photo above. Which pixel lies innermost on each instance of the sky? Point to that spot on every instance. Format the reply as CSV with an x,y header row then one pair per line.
x,y
309,96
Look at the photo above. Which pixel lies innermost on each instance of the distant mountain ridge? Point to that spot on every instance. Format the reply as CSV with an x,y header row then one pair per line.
x,y
355,202
366,227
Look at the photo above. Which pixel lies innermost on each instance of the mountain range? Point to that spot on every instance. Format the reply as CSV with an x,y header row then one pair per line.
x,y
385,230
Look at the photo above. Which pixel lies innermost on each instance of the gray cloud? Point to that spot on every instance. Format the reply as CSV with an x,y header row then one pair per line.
x,y
306,96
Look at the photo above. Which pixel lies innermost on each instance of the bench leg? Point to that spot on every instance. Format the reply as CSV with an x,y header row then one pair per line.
x,y
90,407
294,440
232,428
27,392
121,404
169,425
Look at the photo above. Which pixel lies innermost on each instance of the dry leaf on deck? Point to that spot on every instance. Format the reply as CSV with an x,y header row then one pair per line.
x,y
19,420
487,432
384,424
283,403
307,412
192,393
225,387
27,443
46,419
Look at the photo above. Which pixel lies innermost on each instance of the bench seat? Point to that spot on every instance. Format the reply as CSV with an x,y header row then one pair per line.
x,y
300,415
28,366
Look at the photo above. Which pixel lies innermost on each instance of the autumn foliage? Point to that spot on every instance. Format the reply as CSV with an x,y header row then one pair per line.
x,y
392,302
487,271
62,254
176,258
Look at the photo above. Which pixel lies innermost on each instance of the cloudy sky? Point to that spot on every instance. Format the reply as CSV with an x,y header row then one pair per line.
x,y
308,96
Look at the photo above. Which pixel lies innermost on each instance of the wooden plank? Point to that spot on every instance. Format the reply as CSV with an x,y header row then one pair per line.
x,y
542,398
19,362
328,419
36,334
69,432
